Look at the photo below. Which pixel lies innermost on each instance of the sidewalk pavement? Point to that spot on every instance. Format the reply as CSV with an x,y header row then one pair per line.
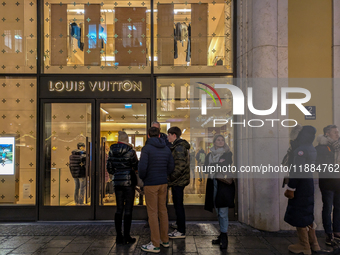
x,y
71,238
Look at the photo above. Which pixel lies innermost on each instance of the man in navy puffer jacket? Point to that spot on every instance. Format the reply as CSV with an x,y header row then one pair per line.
x,y
156,163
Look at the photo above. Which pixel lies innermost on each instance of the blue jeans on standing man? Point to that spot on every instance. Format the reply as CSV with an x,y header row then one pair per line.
x,y
79,190
222,213
331,198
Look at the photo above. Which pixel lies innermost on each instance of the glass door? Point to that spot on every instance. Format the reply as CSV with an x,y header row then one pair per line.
x,y
66,169
131,117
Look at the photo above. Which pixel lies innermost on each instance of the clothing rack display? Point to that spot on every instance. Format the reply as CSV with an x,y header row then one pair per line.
x,y
182,33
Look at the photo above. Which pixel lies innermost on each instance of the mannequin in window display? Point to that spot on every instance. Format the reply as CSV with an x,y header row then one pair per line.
x,y
108,178
78,171
123,163
220,190
200,157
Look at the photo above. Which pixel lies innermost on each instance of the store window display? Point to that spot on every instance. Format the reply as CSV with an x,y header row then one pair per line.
x,y
105,37
193,37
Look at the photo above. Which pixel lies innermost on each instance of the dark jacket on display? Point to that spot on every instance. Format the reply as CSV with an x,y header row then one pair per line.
x,y
122,163
156,162
325,155
225,195
300,209
180,152
77,164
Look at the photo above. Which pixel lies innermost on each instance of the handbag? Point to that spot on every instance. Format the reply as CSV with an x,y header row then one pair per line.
x,y
140,183
228,181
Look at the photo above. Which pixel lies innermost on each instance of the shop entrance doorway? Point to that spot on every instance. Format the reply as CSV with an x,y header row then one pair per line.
x,y
76,137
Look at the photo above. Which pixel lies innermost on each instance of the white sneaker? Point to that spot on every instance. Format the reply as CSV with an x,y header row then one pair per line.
x,y
176,234
150,248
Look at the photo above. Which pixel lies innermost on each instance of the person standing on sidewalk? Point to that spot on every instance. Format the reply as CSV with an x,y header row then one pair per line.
x,y
163,136
220,191
122,164
156,163
328,154
179,178
300,191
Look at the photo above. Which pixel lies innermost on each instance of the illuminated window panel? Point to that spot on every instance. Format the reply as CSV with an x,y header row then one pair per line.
x,y
18,141
97,37
18,36
193,36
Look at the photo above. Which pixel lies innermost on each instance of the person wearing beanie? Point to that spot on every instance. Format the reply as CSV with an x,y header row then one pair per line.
x,y
328,151
122,164
300,191
220,190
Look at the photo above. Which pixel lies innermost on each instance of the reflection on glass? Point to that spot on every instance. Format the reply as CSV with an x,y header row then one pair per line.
x,y
178,101
115,117
67,148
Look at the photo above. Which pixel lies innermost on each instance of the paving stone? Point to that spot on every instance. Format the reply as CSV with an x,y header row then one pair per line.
x,y
207,251
70,253
259,251
48,251
83,239
185,253
5,251
14,242
64,238
27,248
57,243
183,246
76,248
106,243
96,250
251,242
40,239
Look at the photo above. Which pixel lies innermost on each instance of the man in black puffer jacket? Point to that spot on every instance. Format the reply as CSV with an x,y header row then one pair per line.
x,y
78,171
179,178
122,164
156,163
300,191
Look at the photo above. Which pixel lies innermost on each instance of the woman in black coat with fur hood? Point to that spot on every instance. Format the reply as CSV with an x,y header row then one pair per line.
x,y
300,190
219,194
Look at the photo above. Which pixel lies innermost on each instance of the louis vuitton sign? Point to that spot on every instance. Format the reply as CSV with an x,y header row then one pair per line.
x,y
101,86
95,86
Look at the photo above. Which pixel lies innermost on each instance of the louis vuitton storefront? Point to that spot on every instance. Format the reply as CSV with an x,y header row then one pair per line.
x,y
75,71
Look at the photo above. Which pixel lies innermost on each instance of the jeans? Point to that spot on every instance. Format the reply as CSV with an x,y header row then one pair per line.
x,y
331,198
125,197
222,213
177,198
79,190
155,197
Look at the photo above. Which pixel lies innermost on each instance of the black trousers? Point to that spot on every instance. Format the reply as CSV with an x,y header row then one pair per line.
x,y
177,198
125,197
